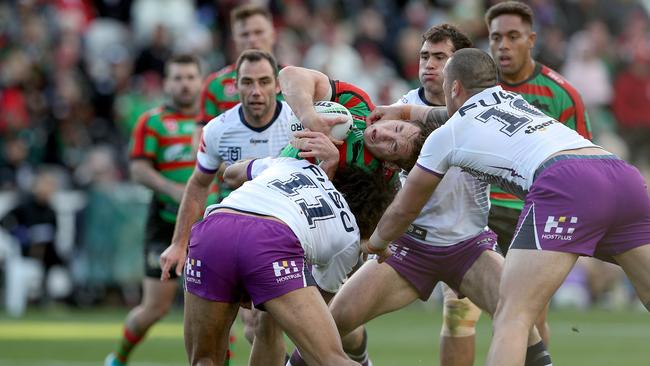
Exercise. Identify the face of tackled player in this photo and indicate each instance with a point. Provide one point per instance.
(183, 84)
(391, 140)
(255, 32)
(258, 88)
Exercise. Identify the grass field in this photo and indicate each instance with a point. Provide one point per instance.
(410, 337)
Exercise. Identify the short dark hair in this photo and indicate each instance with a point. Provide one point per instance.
(246, 11)
(510, 8)
(473, 68)
(368, 194)
(255, 56)
(425, 129)
(184, 59)
(443, 32)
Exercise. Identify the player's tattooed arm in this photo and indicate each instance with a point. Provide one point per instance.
(436, 116)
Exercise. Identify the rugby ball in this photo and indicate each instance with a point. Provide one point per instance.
(332, 109)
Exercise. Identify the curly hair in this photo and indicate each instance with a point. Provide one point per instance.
(443, 32)
(435, 119)
(368, 194)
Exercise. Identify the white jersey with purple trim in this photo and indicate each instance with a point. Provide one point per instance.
(457, 210)
(300, 194)
(499, 138)
(414, 96)
(228, 137)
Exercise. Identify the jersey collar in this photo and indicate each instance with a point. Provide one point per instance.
(424, 99)
(276, 114)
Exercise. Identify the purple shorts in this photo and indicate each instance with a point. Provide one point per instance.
(424, 265)
(233, 257)
(595, 206)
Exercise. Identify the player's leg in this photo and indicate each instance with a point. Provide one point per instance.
(529, 279)
(249, 319)
(268, 344)
(457, 336)
(481, 284)
(374, 290)
(207, 329)
(157, 299)
(635, 263)
(304, 316)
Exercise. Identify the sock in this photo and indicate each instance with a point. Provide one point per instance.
(296, 359)
(537, 355)
(360, 354)
(129, 340)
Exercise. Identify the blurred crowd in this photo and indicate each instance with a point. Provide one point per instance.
(76, 74)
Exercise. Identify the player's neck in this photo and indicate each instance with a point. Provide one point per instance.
(190, 110)
(434, 99)
(522, 75)
(262, 121)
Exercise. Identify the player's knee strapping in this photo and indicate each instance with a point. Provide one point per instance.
(459, 318)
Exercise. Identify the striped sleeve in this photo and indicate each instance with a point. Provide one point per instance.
(144, 140)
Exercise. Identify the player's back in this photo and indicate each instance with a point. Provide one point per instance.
(300, 194)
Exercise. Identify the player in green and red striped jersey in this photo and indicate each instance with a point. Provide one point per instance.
(252, 28)
(162, 160)
(511, 42)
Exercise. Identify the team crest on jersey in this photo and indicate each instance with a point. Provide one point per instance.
(229, 88)
(560, 229)
(171, 125)
(234, 153)
(285, 270)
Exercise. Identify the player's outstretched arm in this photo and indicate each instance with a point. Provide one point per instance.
(302, 87)
(143, 172)
(191, 208)
(406, 206)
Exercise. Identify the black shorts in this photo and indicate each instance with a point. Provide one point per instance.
(503, 221)
(158, 236)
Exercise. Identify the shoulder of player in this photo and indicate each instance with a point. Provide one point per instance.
(149, 117)
(562, 83)
(223, 122)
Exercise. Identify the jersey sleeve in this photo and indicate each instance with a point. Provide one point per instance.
(355, 99)
(144, 140)
(331, 276)
(435, 153)
(208, 158)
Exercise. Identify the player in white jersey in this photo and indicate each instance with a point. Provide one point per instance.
(258, 243)
(257, 127)
(567, 183)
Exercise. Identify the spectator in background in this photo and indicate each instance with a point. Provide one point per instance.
(632, 105)
(16, 173)
(152, 57)
(33, 223)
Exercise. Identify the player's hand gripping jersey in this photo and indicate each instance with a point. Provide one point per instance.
(499, 138)
(299, 193)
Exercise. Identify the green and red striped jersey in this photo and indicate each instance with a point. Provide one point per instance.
(352, 151)
(219, 93)
(552, 94)
(164, 137)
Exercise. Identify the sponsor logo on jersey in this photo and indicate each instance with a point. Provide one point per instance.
(192, 270)
(177, 152)
(560, 229)
(286, 270)
(258, 141)
(171, 125)
(539, 127)
(399, 252)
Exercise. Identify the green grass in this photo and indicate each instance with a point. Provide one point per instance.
(408, 337)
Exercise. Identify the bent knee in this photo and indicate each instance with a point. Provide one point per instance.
(459, 318)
